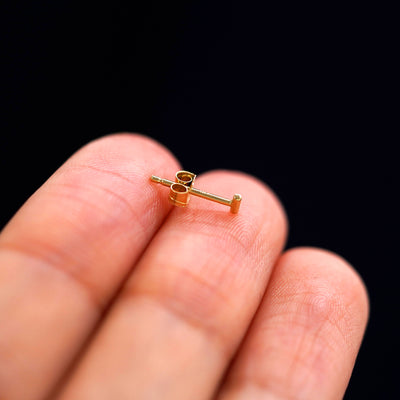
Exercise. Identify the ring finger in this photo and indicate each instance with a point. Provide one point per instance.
(307, 332)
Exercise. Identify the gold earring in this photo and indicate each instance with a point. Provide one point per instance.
(182, 188)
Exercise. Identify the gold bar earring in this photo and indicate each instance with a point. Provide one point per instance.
(183, 187)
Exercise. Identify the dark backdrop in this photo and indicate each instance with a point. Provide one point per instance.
(297, 95)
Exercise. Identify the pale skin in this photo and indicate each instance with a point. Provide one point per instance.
(109, 292)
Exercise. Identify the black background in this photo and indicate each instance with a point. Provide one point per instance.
(298, 95)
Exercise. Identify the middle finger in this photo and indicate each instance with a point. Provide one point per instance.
(188, 304)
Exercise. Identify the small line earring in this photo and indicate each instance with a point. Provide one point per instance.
(182, 188)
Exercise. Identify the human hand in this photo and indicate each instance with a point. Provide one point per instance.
(107, 293)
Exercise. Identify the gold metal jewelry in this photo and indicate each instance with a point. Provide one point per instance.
(180, 190)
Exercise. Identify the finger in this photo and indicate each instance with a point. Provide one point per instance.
(306, 334)
(188, 303)
(66, 252)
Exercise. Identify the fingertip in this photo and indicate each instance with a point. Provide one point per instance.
(332, 260)
(119, 143)
(334, 274)
(258, 198)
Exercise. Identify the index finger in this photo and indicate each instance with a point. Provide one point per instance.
(67, 251)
